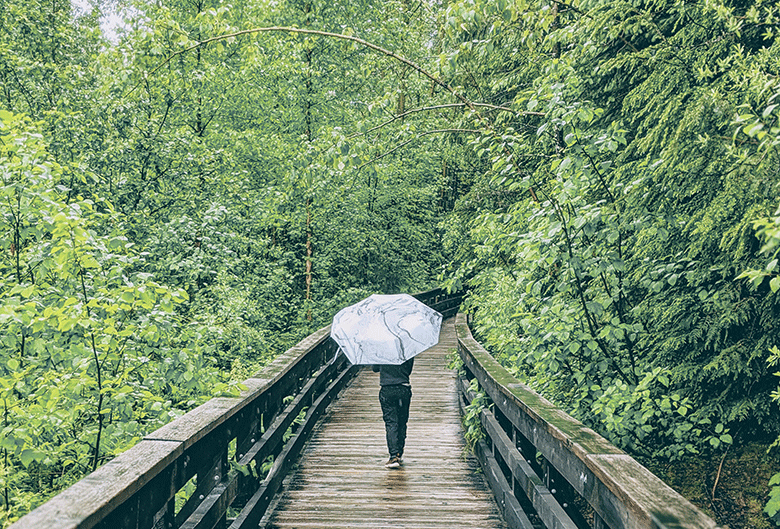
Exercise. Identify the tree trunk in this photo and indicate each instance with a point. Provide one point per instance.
(309, 254)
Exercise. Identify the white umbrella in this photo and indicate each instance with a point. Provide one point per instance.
(385, 329)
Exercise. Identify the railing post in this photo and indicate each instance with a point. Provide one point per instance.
(164, 518)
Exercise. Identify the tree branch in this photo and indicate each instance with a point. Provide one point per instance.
(284, 29)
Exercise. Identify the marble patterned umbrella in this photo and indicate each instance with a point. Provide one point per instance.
(385, 329)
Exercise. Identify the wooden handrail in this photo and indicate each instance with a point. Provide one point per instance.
(220, 444)
(217, 449)
(442, 301)
(535, 454)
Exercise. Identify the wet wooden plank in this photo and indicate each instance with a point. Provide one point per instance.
(341, 480)
(262, 498)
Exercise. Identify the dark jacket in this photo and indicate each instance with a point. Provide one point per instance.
(390, 375)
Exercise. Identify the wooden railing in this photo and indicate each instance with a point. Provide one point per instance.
(221, 464)
(541, 461)
(441, 301)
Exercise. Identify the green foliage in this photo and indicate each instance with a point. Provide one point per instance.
(763, 133)
(455, 362)
(591, 171)
(764, 128)
(612, 210)
(256, 186)
(472, 421)
(93, 354)
(772, 507)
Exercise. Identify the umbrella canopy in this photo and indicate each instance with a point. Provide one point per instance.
(385, 329)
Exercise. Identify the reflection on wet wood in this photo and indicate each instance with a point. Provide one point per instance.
(341, 481)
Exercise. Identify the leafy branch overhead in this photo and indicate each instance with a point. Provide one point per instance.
(472, 106)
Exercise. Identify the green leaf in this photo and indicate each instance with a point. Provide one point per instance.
(29, 455)
(772, 507)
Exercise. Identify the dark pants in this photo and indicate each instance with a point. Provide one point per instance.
(395, 401)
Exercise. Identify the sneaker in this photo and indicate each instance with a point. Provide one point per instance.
(393, 462)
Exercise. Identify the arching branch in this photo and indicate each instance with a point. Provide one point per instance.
(473, 107)
(285, 29)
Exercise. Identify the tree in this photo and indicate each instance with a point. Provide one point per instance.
(615, 213)
(92, 356)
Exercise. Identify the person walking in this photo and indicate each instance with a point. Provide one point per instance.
(395, 395)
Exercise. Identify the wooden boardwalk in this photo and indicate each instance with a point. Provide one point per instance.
(341, 481)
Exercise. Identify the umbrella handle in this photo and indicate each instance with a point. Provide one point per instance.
(336, 355)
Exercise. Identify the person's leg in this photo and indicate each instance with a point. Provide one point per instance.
(405, 399)
(389, 403)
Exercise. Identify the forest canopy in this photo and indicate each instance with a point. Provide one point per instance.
(187, 193)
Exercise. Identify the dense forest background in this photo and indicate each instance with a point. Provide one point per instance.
(187, 193)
